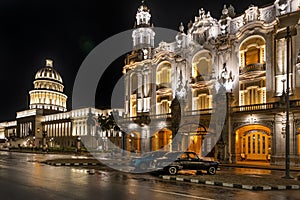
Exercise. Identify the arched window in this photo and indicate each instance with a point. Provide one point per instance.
(252, 61)
(163, 74)
(201, 75)
(252, 51)
(202, 66)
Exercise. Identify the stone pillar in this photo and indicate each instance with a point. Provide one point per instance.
(145, 140)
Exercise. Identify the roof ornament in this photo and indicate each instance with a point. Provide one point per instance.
(181, 27)
(225, 10)
(282, 6)
(201, 13)
(231, 11)
(49, 63)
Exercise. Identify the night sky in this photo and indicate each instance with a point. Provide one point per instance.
(66, 31)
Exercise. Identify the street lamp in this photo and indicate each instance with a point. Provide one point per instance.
(123, 142)
(44, 134)
(288, 21)
(78, 148)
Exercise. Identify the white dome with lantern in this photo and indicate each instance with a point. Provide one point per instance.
(48, 90)
(48, 72)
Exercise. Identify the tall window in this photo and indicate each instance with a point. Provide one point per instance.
(252, 71)
(163, 74)
(133, 95)
(164, 88)
(204, 101)
(201, 75)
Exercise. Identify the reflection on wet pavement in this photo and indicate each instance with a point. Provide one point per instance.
(251, 171)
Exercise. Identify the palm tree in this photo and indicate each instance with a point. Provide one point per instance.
(107, 123)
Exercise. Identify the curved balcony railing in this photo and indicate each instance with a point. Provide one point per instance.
(201, 78)
(253, 67)
(163, 85)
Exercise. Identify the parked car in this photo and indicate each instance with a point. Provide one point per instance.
(145, 161)
(172, 162)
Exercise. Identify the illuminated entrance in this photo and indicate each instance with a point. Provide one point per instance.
(253, 142)
(162, 140)
(194, 139)
(133, 142)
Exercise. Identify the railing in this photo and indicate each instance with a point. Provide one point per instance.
(295, 103)
(246, 108)
(163, 85)
(253, 67)
(199, 112)
(151, 117)
(201, 78)
(254, 107)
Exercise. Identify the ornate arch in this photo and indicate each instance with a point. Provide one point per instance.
(202, 64)
(238, 125)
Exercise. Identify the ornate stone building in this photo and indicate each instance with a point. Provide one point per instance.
(229, 79)
(223, 88)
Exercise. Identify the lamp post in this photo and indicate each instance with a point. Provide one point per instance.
(287, 21)
(78, 147)
(44, 140)
(123, 143)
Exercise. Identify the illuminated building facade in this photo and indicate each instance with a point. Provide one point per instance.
(176, 84)
(242, 55)
(47, 118)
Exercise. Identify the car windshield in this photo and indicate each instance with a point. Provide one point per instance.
(193, 156)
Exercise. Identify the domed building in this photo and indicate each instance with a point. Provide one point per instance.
(48, 90)
(47, 123)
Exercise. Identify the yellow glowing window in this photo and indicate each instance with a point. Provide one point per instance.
(252, 56)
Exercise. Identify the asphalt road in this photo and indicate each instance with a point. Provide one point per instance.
(23, 177)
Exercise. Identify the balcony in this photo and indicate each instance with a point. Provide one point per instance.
(163, 86)
(254, 107)
(201, 78)
(266, 107)
(198, 112)
(294, 104)
(253, 67)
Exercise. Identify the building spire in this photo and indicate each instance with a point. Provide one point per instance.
(143, 34)
(143, 16)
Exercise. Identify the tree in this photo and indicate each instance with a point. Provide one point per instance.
(108, 124)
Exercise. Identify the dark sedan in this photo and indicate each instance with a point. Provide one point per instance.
(172, 162)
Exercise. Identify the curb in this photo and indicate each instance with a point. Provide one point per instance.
(231, 185)
(80, 164)
(71, 164)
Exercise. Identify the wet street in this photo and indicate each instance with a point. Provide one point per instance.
(23, 177)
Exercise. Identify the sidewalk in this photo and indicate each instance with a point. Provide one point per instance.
(248, 182)
(255, 182)
(260, 165)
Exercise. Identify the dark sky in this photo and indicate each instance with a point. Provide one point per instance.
(66, 31)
